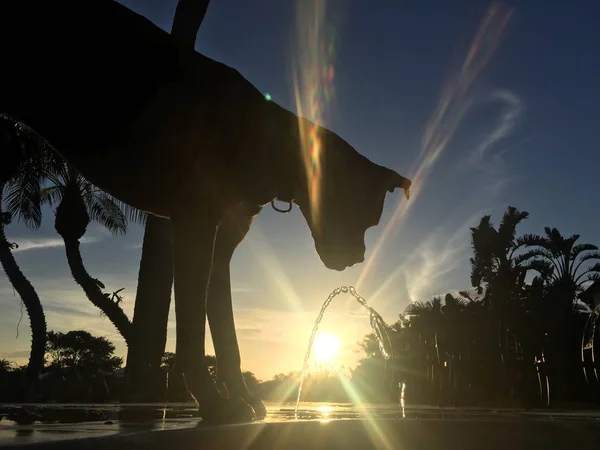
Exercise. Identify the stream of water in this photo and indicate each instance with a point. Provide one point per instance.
(378, 326)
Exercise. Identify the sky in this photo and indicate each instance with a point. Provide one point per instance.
(482, 106)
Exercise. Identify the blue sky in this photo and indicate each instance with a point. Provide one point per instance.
(523, 134)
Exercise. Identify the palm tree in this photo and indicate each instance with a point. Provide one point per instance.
(79, 203)
(23, 161)
(497, 268)
(495, 264)
(24, 201)
(150, 317)
(426, 324)
(561, 263)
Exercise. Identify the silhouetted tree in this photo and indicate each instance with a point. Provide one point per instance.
(495, 265)
(78, 365)
(24, 161)
(5, 366)
(564, 267)
(497, 268)
(78, 351)
(510, 341)
(78, 203)
(426, 324)
(151, 312)
(560, 263)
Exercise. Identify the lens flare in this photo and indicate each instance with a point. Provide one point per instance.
(313, 88)
(443, 122)
(325, 347)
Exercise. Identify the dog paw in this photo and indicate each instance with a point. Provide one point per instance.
(224, 411)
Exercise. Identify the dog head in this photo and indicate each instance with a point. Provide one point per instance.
(343, 197)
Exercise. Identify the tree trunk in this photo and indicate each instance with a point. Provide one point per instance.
(32, 303)
(151, 312)
(93, 292)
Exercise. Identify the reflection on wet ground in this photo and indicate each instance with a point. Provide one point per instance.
(49, 422)
(38, 423)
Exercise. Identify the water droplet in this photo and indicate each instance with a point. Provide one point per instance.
(337, 291)
(344, 289)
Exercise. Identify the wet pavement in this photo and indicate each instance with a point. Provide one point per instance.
(61, 426)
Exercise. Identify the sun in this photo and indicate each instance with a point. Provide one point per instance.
(325, 347)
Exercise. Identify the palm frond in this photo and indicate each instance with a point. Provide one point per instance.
(51, 160)
(453, 302)
(508, 225)
(593, 268)
(569, 243)
(133, 214)
(584, 258)
(531, 240)
(590, 255)
(483, 239)
(543, 267)
(531, 254)
(52, 195)
(417, 308)
(580, 248)
(59, 174)
(22, 198)
(107, 213)
(593, 277)
(102, 207)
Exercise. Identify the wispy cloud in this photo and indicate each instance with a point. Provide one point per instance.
(437, 256)
(456, 99)
(70, 311)
(488, 155)
(442, 252)
(35, 244)
(15, 354)
(39, 244)
(506, 122)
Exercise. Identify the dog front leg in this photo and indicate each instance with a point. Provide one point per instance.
(193, 245)
(231, 232)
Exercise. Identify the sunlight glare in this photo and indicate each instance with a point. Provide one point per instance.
(326, 347)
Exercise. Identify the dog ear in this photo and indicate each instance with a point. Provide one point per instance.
(394, 180)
